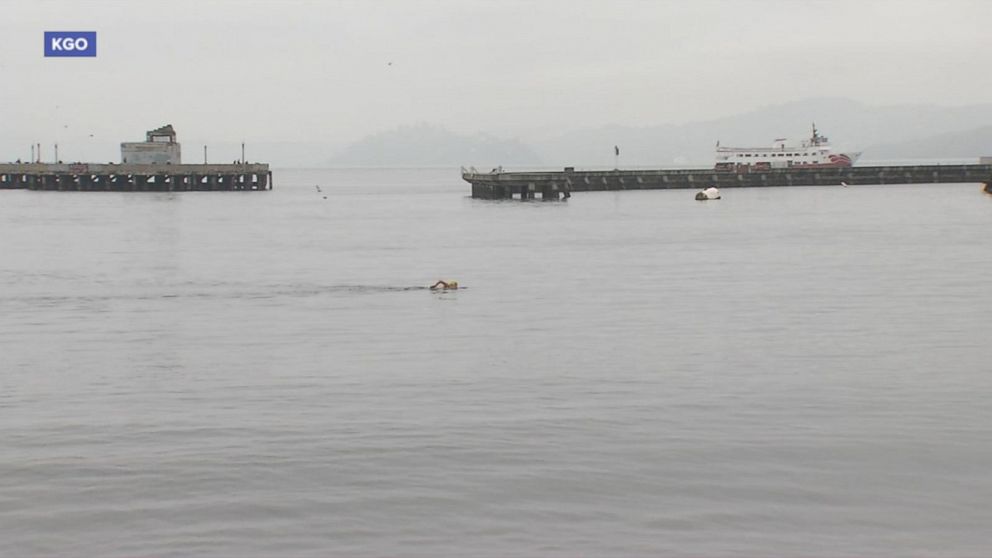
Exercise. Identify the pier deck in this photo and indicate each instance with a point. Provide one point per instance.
(551, 184)
(95, 177)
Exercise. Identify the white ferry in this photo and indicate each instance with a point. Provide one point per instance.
(810, 153)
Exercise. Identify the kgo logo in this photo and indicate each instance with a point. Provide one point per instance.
(70, 43)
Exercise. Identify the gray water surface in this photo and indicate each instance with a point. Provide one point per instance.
(783, 372)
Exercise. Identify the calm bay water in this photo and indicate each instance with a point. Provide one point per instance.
(782, 372)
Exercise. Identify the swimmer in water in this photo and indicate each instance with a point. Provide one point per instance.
(445, 285)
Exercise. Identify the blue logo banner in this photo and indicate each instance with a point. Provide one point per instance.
(70, 43)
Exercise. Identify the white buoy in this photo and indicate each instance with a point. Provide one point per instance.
(710, 193)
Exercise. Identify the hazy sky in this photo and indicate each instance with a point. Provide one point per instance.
(320, 71)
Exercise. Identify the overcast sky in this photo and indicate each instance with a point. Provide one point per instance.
(336, 71)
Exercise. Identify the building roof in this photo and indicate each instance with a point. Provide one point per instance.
(166, 130)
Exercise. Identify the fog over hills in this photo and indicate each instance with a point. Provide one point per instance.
(850, 126)
(424, 145)
(882, 132)
(976, 142)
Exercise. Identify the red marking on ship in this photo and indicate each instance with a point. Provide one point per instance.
(840, 160)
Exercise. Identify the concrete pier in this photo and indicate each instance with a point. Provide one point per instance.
(523, 185)
(89, 177)
(551, 190)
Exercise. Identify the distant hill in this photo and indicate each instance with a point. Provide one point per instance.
(426, 145)
(849, 124)
(882, 132)
(976, 142)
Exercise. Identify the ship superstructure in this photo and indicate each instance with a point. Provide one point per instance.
(810, 153)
